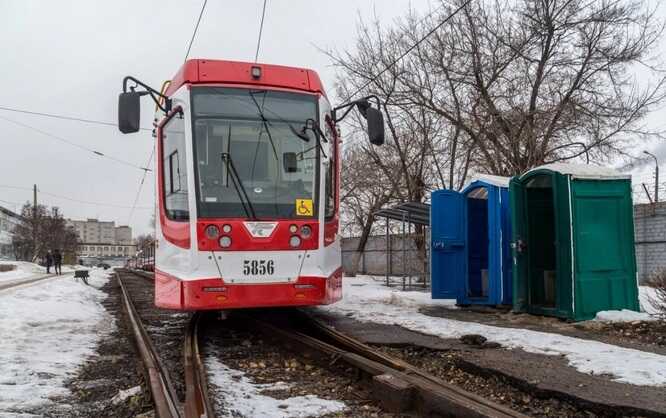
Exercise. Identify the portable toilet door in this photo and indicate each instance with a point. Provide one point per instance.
(573, 241)
(470, 243)
(447, 241)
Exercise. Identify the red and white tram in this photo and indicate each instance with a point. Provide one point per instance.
(248, 167)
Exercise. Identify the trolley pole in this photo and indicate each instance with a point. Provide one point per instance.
(656, 176)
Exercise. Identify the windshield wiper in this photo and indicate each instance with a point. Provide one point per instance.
(310, 124)
(264, 120)
(238, 185)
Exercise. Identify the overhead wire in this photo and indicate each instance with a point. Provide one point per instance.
(196, 28)
(63, 117)
(74, 144)
(410, 49)
(261, 29)
(59, 196)
(138, 193)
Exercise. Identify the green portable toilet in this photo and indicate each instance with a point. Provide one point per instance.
(573, 241)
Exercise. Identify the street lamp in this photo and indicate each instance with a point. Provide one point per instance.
(656, 176)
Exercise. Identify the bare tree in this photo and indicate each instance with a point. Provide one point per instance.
(43, 229)
(539, 81)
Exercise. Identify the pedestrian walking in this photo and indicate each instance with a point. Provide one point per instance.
(57, 261)
(49, 262)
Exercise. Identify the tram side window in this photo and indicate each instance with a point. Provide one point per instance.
(175, 169)
(329, 181)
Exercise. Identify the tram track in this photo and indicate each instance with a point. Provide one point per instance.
(393, 384)
(396, 386)
(165, 395)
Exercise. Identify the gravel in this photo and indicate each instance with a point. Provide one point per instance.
(447, 366)
(265, 361)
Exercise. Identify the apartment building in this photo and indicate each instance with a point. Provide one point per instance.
(103, 238)
(8, 221)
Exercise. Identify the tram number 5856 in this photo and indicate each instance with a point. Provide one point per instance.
(254, 267)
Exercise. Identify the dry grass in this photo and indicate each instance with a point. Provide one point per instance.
(658, 282)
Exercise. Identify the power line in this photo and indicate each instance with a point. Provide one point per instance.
(261, 29)
(410, 49)
(74, 144)
(71, 118)
(138, 193)
(87, 202)
(196, 28)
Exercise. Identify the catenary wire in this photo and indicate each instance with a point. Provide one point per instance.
(261, 29)
(70, 118)
(59, 196)
(74, 144)
(410, 49)
(138, 193)
(196, 28)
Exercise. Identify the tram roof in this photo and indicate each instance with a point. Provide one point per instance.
(205, 71)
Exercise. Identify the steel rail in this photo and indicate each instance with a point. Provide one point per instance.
(396, 383)
(164, 394)
(197, 402)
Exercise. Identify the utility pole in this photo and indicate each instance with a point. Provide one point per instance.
(34, 223)
(656, 176)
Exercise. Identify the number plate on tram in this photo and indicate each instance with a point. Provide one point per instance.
(258, 267)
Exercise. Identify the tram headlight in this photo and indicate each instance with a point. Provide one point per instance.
(294, 241)
(306, 231)
(212, 232)
(293, 228)
(226, 228)
(225, 241)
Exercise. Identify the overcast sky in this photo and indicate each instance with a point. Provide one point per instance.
(69, 57)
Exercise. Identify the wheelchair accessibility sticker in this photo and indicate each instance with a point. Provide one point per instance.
(304, 207)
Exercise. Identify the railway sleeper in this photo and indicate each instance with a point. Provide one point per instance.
(404, 390)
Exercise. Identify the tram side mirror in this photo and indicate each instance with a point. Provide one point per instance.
(129, 112)
(375, 121)
(290, 162)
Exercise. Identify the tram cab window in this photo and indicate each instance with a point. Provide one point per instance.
(175, 169)
(329, 185)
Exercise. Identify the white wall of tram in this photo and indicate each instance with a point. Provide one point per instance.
(192, 264)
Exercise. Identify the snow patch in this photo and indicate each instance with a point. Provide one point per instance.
(46, 331)
(625, 315)
(372, 290)
(647, 296)
(369, 303)
(122, 395)
(23, 270)
(242, 398)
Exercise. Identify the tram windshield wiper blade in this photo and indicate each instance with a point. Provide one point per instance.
(238, 185)
(264, 121)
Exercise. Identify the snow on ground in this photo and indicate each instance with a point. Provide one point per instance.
(23, 270)
(647, 298)
(242, 398)
(46, 331)
(625, 315)
(367, 300)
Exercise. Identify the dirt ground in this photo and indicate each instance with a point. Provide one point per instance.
(539, 376)
(268, 361)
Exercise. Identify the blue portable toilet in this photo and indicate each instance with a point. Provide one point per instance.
(470, 243)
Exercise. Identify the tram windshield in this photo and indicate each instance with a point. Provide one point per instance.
(249, 159)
